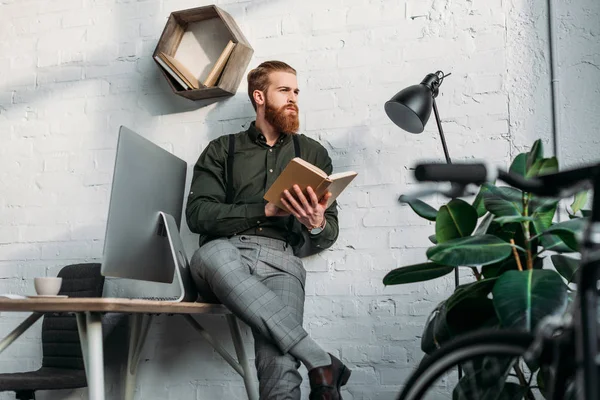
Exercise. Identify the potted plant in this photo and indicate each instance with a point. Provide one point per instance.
(504, 237)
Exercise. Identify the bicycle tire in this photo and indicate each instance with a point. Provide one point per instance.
(485, 342)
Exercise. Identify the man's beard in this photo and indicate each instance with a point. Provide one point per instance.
(281, 121)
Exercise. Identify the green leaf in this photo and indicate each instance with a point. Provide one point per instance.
(535, 154)
(484, 225)
(436, 330)
(543, 167)
(432, 239)
(586, 213)
(554, 243)
(519, 165)
(504, 232)
(549, 241)
(503, 201)
(541, 379)
(523, 298)
(566, 266)
(497, 269)
(579, 201)
(477, 289)
(567, 231)
(478, 203)
(416, 273)
(454, 220)
(471, 250)
(512, 219)
(543, 209)
(422, 209)
(470, 314)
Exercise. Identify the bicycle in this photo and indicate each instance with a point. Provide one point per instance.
(491, 354)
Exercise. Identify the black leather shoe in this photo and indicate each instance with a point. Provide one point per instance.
(325, 382)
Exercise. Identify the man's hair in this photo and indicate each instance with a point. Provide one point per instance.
(258, 78)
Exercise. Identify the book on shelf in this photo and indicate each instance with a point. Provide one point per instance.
(217, 69)
(302, 173)
(178, 80)
(178, 71)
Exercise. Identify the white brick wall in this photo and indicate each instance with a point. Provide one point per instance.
(72, 71)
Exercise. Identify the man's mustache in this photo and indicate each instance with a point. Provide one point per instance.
(292, 106)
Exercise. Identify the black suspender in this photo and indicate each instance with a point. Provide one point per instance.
(291, 219)
(230, 157)
(296, 145)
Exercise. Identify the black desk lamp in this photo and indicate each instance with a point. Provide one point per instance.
(411, 107)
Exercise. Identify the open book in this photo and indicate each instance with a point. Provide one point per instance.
(304, 174)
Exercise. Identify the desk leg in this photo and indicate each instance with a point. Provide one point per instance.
(236, 336)
(91, 339)
(138, 330)
(83, 341)
(19, 330)
(216, 345)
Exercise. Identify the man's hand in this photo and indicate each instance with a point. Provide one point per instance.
(271, 210)
(310, 212)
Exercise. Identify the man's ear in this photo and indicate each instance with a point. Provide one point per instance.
(259, 97)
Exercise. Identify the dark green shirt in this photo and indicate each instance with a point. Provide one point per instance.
(256, 165)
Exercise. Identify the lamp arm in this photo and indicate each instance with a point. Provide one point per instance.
(439, 125)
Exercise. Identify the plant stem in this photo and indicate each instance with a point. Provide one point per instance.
(476, 273)
(523, 382)
(516, 254)
(526, 233)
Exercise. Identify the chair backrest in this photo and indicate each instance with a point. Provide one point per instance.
(60, 339)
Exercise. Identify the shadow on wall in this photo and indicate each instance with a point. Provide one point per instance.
(103, 73)
(99, 60)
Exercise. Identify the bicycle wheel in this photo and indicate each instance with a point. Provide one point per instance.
(492, 364)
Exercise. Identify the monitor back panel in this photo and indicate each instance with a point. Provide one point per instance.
(147, 179)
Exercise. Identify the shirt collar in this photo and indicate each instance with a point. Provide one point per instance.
(257, 137)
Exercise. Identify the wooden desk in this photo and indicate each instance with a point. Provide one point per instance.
(88, 312)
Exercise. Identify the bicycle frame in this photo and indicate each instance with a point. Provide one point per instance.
(586, 330)
(585, 327)
(583, 324)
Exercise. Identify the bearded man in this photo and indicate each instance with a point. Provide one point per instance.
(247, 258)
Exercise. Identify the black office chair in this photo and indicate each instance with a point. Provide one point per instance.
(62, 363)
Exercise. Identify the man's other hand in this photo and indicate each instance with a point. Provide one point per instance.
(309, 211)
(271, 210)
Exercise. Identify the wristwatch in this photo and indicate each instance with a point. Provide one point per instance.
(318, 229)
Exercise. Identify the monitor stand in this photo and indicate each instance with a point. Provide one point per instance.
(182, 276)
(181, 288)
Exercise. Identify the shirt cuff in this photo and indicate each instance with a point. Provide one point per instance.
(255, 213)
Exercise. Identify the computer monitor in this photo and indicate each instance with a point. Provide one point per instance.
(142, 243)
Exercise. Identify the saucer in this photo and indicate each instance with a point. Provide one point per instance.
(48, 296)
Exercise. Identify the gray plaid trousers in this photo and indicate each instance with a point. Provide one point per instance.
(262, 283)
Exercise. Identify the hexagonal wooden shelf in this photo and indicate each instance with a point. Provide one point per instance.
(196, 37)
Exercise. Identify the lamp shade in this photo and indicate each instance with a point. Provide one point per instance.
(410, 108)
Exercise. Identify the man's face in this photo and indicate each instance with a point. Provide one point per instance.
(281, 102)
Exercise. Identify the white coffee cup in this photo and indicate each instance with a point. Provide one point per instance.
(47, 286)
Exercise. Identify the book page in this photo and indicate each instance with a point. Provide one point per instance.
(176, 78)
(295, 173)
(341, 175)
(339, 183)
(178, 67)
(310, 166)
